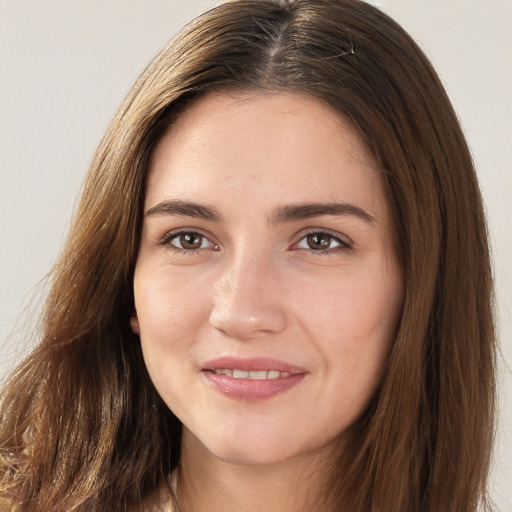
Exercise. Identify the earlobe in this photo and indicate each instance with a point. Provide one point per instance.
(134, 324)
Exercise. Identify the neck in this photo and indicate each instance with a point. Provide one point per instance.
(207, 483)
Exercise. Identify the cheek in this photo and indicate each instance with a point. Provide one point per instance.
(169, 318)
(358, 307)
(170, 313)
(353, 323)
(165, 304)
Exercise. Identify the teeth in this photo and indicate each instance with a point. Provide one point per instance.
(258, 375)
(254, 375)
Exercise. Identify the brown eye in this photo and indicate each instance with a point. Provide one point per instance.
(322, 242)
(319, 241)
(190, 241)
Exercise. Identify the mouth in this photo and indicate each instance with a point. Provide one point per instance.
(253, 379)
(252, 375)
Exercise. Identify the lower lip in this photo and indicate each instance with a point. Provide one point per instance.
(252, 390)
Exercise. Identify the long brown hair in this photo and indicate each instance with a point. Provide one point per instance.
(82, 426)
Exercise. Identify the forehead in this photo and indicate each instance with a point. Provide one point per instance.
(280, 146)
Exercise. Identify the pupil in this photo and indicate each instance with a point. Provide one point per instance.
(319, 241)
(190, 241)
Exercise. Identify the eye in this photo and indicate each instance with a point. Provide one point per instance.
(321, 242)
(187, 241)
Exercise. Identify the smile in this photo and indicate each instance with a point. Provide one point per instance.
(252, 375)
(251, 379)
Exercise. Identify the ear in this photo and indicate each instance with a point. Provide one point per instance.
(134, 324)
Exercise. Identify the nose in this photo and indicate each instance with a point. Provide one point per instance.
(249, 300)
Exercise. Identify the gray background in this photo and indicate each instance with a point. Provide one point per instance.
(66, 65)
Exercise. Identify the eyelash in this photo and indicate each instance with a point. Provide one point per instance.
(344, 245)
(166, 240)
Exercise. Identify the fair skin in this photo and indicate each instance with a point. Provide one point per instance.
(267, 242)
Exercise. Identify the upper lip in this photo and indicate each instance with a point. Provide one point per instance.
(251, 364)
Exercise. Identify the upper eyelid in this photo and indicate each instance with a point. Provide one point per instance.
(169, 235)
(345, 239)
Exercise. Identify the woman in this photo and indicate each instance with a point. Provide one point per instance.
(276, 292)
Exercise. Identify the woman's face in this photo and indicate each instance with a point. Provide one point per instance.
(267, 290)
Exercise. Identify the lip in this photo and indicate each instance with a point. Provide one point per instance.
(248, 389)
(251, 364)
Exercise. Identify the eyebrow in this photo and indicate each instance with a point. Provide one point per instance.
(190, 209)
(284, 214)
(306, 211)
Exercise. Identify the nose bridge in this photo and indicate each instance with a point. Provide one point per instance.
(247, 301)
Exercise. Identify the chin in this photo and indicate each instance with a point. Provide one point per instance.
(261, 449)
